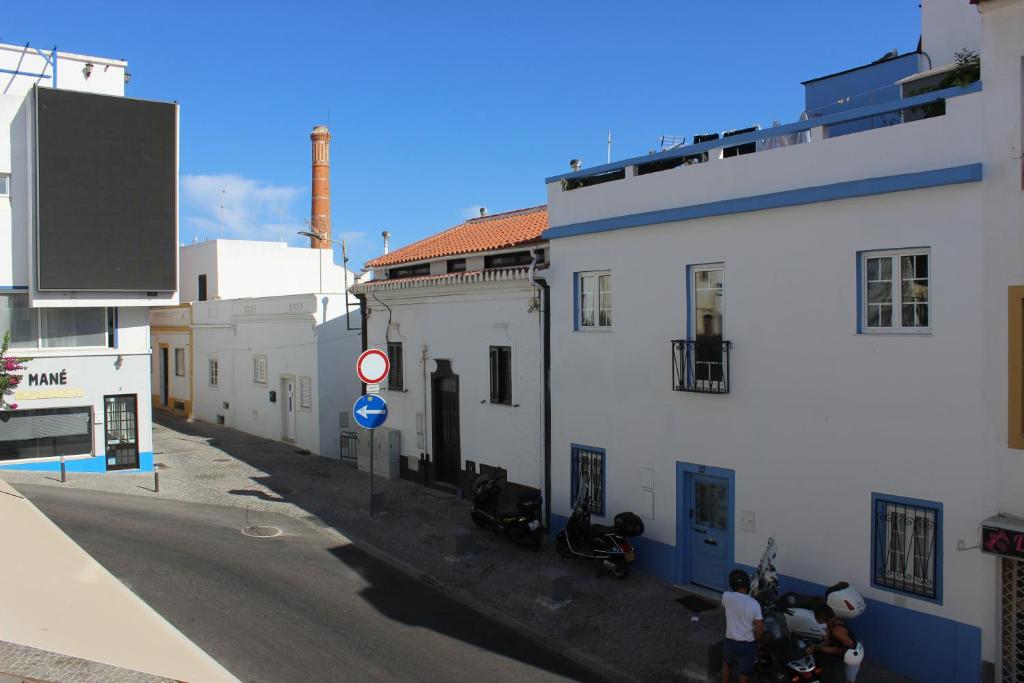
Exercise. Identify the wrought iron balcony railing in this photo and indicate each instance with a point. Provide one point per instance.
(701, 365)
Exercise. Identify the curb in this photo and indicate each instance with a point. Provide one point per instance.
(544, 640)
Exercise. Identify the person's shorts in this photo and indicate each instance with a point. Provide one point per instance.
(740, 654)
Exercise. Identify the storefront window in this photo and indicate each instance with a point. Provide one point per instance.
(46, 328)
(44, 433)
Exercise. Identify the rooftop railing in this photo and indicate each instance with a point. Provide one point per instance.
(892, 113)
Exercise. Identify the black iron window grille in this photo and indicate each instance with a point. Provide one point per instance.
(700, 365)
(906, 541)
(588, 478)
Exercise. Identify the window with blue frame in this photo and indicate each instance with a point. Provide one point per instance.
(588, 478)
(907, 546)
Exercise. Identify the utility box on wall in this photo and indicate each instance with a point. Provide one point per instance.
(387, 449)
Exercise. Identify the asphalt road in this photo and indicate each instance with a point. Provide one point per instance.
(297, 607)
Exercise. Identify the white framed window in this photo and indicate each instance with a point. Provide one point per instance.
(259, 370)
(179, 362)
(306, 393)
(5, 184)
(895, 292)
(594, 300)
(214, 372)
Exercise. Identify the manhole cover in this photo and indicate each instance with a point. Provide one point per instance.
(261, 531)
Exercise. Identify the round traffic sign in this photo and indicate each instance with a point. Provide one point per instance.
(373, 366)
(370, 411)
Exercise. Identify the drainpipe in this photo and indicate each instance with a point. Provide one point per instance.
(426, 422)
(544, 328)
(363, 315)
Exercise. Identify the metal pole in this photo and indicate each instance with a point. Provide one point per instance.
(371, 472)
(156, 481)
(63, 471)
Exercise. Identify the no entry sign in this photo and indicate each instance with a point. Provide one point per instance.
(373, 366)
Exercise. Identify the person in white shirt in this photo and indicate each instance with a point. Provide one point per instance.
(744, 626)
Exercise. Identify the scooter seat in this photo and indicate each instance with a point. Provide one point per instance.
(800, 601)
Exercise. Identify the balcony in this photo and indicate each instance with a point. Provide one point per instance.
(701, 365)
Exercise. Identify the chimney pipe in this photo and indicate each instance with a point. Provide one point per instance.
(483, 211)
(387, 238)
(320, 221)
(575, 164)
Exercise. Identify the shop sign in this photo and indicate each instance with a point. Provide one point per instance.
(999, 541)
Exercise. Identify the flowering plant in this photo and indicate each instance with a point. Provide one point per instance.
(9, 377)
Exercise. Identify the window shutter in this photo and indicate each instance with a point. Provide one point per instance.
(505, 373)
(494, 374)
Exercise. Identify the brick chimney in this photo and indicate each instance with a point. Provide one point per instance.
(320, 222)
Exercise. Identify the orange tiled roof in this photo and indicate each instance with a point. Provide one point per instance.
(500, 231)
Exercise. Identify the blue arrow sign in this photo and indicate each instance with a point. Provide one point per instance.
(370, 411)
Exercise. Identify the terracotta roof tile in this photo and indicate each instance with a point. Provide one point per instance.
(500, 231)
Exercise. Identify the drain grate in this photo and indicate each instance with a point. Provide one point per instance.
(695, 603)
(261, 531)
(222, 459)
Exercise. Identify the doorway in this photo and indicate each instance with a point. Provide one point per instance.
(164, 376)
(121, 431)
(288, 408)
(447, 456)
(705, 525)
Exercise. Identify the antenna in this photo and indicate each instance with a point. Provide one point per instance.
(609, 145)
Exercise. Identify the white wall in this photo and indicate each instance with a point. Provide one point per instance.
(460, 323)
(245, 268)
(948, 26)
(288, 330)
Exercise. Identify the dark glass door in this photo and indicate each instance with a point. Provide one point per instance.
(121, 430)
(447, 456)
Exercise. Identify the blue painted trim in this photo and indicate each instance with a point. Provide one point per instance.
(866, 187)
(576, 301)
(94, 464)
(575, 484)
(684, 470)
(797, 127)
(875, 560)
(860, 291)
(13, 288)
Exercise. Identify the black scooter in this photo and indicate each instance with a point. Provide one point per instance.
(510, 509)
(605, 544)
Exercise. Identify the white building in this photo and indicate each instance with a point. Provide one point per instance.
(459, 314)
(810, 341)
(88, 228)
(264, 341)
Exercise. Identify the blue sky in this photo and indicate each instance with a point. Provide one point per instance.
(439, 108)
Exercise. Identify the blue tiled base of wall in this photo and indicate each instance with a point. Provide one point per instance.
(94, 464)
(903, 640)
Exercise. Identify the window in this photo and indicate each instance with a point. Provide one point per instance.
(5, 184)
(179, 362)
(202, 287)
(1015, 383)
(501, 375)
(895, 291)
(907, 544)
(259, 369)
(45, 433)
(588, 478)
(213, 372)
(707, 323)
(516, 258)
(396, 380)
(457, 265)
(409, 271)
(306, 393)
(33, 328)
(594, 304)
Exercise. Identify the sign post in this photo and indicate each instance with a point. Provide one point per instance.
(370, 410)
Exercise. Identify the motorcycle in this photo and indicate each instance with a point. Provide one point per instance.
(608, 545)
(504, 507)
(790, 624)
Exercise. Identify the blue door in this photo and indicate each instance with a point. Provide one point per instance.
(709, 532)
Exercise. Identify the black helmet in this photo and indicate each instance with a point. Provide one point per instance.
(738, 579)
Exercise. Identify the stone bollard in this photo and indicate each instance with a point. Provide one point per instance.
(458, 544)
(555, 588)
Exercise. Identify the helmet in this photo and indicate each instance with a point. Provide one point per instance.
(738, 579)
(854, 655)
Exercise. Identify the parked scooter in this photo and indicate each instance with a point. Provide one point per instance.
(791, 626)
(511, 510)
(608, 545)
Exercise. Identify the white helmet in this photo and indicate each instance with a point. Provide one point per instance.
(854, 656)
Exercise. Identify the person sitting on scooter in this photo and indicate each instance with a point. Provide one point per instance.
(744, 626)
(838, 639)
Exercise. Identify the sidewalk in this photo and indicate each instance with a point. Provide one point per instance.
(56, 598)
(632, 627)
